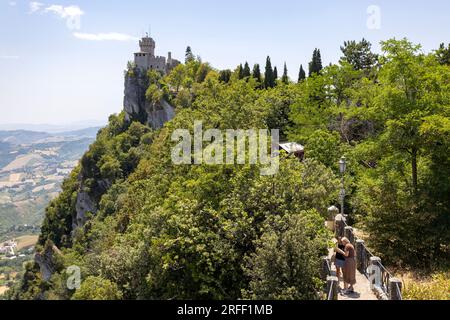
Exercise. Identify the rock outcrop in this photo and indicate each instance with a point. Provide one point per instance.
(137, 107)
(84, 204)
(46, 261)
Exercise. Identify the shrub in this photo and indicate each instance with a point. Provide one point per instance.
(437, 288)
(96, 288)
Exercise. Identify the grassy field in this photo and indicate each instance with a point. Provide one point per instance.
(26, 241)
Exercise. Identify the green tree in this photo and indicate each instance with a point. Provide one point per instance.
(257, 73)
(400, 192)
(269, 77)
(96, 288)
(285, 77)
(246, 71)
(189, 56)
(324, 146)
(225, 76)
(443, 54)
(286, 262)
(176, 77)
(301, 74)
(315, 66)
(359, 54)
(240, 72)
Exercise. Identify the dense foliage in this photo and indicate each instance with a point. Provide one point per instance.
(162, 231)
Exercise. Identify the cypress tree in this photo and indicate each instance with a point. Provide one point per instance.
(225, 76)
(269, 80)
(246, 71)
(301, 74)
(189, 55)
(240, 71)
(319, 61)
(443, 54)
(257, 73)
(285, 77)
(275, 74)
(315, 66)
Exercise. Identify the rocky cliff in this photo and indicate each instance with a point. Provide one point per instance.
(137, 107)
(99, 168)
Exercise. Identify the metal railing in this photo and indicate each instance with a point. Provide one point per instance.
(365, 264)
(330, 292)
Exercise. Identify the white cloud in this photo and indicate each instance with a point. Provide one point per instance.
(72, 14)
(35, 6)
(112, 36)
(65, 12)
(60, 11)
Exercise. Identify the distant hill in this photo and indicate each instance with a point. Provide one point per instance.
(88, 132)
(18, 137)
(32, 168)
(51, 128)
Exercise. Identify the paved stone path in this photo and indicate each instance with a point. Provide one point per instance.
(362, 287)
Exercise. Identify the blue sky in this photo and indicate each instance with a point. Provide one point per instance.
(63, 61)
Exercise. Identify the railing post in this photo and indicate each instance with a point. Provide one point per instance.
(332, 288)
(339, 225)
(395, 289)
(375, 272)
(360, 256)
(325, 268)
(348, 232)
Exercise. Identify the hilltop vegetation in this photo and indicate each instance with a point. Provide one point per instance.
(165, 231)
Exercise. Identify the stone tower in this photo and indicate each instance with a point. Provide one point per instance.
(146, 59)
(147, 45)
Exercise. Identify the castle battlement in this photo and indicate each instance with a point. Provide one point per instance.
(146, 60)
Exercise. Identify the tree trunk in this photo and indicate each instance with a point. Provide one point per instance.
(414, 170)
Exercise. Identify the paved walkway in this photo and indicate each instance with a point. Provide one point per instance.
(362, 287)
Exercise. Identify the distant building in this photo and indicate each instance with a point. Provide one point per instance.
(146, 59)
(8, 248)
(294, 148)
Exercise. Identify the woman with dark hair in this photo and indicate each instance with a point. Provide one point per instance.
(339, 261)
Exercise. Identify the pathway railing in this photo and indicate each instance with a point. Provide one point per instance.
(385, 286)
(331, 288)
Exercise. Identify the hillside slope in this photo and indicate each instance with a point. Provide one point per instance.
(140, 226)
(143, 227)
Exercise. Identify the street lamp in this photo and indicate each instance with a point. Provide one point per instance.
(342, 168)
(343, 165)
(333, 211)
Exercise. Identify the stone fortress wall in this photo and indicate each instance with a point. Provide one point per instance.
(146, 59)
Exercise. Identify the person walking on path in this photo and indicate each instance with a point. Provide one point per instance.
(349, 269)
(339, 260)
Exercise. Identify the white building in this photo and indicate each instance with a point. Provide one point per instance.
(8, 248)
(293, 148)
(146, 59)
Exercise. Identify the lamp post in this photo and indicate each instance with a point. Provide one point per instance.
(332, 213)
(342, 169)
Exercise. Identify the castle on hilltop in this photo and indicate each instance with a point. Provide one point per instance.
(146, 59)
